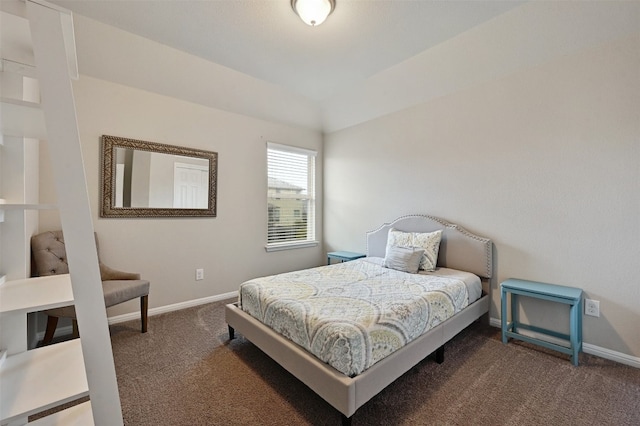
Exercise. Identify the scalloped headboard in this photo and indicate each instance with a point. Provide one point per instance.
(459, 248)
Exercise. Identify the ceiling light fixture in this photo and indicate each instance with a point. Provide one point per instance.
(313, 12)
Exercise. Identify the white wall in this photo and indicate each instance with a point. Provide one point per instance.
(524, 37)
(111, 54)
(229, 247)
(545, 162)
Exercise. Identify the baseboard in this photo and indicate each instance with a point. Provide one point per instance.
(174, 307)
(605, 353)
(587, 348)
(64, 331)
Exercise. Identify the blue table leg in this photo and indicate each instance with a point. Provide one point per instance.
(515, 313)
(580, 311)
(574, 320)
(503, 315)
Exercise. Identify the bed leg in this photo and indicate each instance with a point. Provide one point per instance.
(346, 421)
(232, 333)
(440, 355)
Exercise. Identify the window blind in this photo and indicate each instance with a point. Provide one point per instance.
(290, 195)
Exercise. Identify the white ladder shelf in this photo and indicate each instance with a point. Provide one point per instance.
(32, 381)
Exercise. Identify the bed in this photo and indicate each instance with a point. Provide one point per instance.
(348, 383)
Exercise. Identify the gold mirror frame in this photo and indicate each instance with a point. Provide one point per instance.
(108, 179)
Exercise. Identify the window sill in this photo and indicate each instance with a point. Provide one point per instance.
(289, 246)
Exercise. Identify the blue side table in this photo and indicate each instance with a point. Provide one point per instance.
(556, 293)
(343, 256)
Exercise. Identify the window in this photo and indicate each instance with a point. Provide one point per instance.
(290, 196)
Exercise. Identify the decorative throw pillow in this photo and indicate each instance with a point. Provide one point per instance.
(406, 259)
(429, 241)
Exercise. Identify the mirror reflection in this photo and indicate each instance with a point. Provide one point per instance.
(142, 178)
(157, 180)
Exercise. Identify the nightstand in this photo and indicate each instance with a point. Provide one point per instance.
(343, 256)
(556, 293)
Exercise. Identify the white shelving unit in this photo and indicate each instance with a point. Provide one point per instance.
(23, 379)
(32, 381)
(22, 118)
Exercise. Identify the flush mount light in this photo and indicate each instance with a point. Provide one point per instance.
(313, 12)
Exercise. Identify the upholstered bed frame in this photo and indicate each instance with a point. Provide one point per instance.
(459, 249)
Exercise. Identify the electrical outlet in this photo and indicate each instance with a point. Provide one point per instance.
(592, 307)
(199, 274)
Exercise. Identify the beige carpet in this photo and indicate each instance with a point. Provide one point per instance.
(184, 371)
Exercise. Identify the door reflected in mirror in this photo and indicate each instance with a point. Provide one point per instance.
(142, 178)
(157, 180)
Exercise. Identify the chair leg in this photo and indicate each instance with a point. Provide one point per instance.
(74, 326)
(144, 307)
(52, 323)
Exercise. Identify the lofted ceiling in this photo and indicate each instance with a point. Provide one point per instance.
(370, 58)
(266, 40)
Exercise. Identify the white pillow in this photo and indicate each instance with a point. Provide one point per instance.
(406, 259)
(429, 241)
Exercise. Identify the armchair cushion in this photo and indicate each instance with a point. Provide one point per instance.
(118, 291)
(115, 292)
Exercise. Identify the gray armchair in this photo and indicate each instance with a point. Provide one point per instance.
(50, 258)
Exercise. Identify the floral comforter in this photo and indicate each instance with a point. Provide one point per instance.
(352, 314)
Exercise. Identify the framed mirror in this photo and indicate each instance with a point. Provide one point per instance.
(148, 179)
